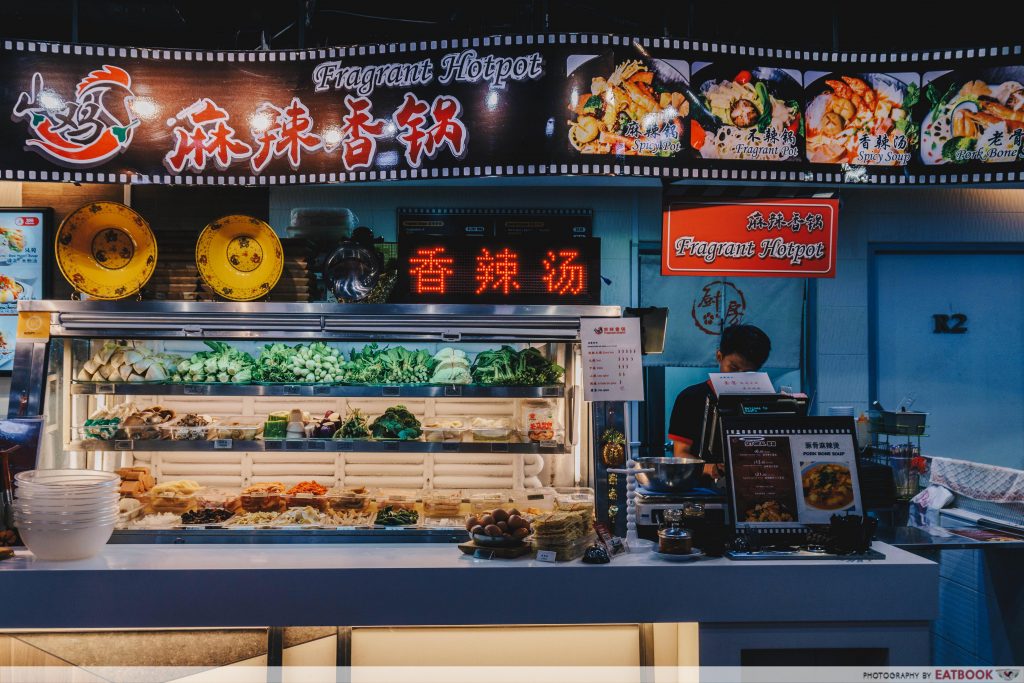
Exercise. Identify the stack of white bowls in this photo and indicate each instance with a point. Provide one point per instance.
(65, 514)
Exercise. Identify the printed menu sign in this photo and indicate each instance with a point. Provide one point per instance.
(762, 475)
(22, 239)
(612, 367)
(792, 477)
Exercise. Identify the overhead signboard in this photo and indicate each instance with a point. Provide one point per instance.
(552, 104)
(778, 238)
(496, 270)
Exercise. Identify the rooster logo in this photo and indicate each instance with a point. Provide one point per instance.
(85, 132)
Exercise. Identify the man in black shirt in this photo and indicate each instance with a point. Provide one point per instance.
(744, 348)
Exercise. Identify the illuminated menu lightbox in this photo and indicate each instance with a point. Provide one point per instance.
(499, 270)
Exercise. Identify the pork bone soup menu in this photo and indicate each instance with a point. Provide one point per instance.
(793, 479)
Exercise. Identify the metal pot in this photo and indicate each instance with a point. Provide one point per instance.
(669, 475)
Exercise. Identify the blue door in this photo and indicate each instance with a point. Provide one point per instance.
(968, 375)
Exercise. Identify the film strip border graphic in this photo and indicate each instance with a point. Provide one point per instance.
(853, 176)
(796, 431)
(560, 39)
(557, 170)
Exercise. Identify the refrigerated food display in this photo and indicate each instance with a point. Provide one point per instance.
(336, 422)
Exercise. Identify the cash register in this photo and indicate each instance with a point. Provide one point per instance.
(706, 506)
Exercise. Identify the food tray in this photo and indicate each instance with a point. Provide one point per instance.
(443, 434)
(482, 502)
(238, 428)
(442, 505)
(398, 501)
(574, 498)
(348, 500)
(566, 552)
(299, 500)
(264, 502)
(346, 518)
(178, 432)
(174, 503)
(100, 430)
(495, 435)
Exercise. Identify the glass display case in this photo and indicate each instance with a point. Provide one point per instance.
(242, 422)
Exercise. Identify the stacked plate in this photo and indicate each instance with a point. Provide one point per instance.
(178, 276)
(65, 514)
(298, 282)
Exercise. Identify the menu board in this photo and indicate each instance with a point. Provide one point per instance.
(23, 248)
(790, 472)
(612, 364)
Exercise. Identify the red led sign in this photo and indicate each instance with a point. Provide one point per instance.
(437, 269)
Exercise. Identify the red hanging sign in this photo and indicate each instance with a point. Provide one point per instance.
(777, 238)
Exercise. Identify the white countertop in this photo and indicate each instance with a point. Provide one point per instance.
(435, 584)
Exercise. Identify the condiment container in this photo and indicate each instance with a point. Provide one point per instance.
(673, 539)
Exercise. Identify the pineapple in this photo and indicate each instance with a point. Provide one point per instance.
(613, 448)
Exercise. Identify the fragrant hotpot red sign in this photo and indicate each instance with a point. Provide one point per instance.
(777, 238)
(552, 104)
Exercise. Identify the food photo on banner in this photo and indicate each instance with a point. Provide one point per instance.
(750, 113)
(508, 105)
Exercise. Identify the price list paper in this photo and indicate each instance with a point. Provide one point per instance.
(612, 366)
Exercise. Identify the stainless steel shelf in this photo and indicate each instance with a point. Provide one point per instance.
(449, 391)
(315, 445)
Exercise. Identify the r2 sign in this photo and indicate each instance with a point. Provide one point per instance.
(950, 324)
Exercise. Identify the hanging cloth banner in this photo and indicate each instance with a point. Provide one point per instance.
(701, 307)
(554, 104)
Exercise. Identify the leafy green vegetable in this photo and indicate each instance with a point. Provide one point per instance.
(593, 106)
(316, 362)
(395, 365)
(931, 93)
(765, 119)
(910, 129)
(390, 516)
(354, 426)
(221, 363)
(396, 423)
(912, 96)
(507, 366)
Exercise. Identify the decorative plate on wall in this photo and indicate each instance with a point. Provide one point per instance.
(106, 250)
(239, 257)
